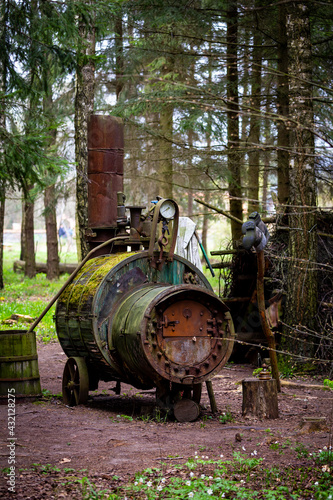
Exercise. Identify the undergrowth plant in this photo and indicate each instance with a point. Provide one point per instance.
(287, 367)
(243, 477)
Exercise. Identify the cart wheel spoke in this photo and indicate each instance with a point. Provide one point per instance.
(75, 382)
(71, 368)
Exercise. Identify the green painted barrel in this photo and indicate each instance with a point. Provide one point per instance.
(136, 324)
(19, 363)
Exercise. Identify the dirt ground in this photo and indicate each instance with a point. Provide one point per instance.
(113, 436)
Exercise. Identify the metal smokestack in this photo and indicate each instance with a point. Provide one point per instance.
(105, 176)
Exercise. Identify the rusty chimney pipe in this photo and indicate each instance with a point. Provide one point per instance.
(105, 176)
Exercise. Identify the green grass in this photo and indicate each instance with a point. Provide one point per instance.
(216, 282)
(26, 296)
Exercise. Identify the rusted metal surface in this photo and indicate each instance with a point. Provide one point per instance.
(183, 317)
(189, 348)
(105, 170)
(195, 351)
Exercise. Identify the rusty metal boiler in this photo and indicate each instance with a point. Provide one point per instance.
(135, 312)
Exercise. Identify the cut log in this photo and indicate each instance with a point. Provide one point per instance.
(260, 398)
(222, 265)
(186, 410)
(41, 267)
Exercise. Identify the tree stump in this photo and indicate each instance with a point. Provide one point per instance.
(260, 398)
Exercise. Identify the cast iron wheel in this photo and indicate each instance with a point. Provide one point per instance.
(75, 382)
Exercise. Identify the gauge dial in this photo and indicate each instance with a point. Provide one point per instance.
(168, 209)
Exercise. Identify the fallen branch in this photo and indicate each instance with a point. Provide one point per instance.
(41, 267)
(286, 383)
(218, 210)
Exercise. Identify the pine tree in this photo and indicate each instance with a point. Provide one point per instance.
(27, 50)
(302, 277)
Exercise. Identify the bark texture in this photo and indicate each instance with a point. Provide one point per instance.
(254, 137)
(282, 95)
(22, 240)
(119, 55)
(49, 194)
(302, 277)
(235, 191)
(2, 221)
(51, 234)
(3, 85)
(29, 250)
(166, 165)
(260, 398)
(84, 106)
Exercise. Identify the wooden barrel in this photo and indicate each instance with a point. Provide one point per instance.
(19, 363)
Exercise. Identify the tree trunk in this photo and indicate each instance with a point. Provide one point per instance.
(2, 223)
(49, 193)
(119, 55)
(51, 234)
(254, 136)
(267, 157)
(282, 94)
(204, 234)
(235, 190)
(208, 134)
(166, 166)
(30, 260)
(22, 250)
(84, 106)
(190, 174)
(245, 119)
(3, 86)
(301, 305)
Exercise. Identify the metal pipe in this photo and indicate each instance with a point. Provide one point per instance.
(204, 253)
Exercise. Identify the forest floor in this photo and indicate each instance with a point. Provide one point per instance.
(113, 437)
